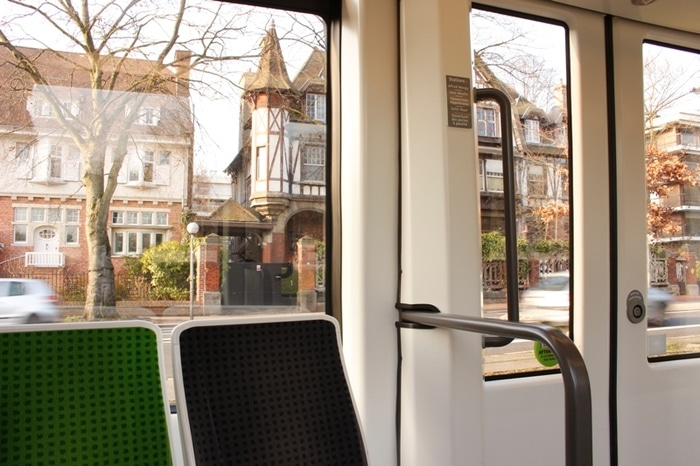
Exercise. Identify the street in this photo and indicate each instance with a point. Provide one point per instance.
(681, 334)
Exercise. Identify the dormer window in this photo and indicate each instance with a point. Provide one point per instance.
(316, 107)
(41, 108)
(488, 122)
(532, 131)
(148, 116)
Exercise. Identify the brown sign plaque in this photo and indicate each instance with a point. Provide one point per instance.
(459, 102)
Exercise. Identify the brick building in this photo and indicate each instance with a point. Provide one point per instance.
(42, 198)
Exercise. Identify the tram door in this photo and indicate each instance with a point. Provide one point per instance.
(656, 382)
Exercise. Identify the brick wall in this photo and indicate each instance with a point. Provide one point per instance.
(12, 255)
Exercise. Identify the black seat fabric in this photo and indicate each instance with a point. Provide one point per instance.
(266, 392)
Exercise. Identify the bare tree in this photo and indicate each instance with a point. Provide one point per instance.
(121, 55)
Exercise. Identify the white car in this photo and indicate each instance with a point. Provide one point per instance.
(26, 301)
(552, 294)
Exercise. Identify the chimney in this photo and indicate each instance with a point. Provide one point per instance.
(182, 72)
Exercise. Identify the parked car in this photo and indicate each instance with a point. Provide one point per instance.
(25, 301)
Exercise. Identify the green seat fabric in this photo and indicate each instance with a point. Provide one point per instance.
(81, 394)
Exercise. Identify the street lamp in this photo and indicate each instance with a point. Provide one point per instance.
(192, 229)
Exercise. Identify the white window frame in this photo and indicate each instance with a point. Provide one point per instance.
(126, 242)
(56, 162)
(73, 230)
(313, 166)
(316, 107)
(488, 122)
(20, 229)
(532, 131)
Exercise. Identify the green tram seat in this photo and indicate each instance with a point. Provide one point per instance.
(264, 390)
(84, 393)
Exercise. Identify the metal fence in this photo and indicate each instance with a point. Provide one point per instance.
(70, 287)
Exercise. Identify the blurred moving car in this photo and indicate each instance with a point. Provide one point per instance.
(26, 301)
(657, 302)
(551, 293)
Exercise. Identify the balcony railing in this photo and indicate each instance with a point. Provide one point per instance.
(44, 259)
(686, 200)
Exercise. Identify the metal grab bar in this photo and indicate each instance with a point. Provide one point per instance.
(577, 387)
(511, 232)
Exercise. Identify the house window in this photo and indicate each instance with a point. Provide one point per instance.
(536, 181)
(20, 234)
(316, 107)
(688, 138)
(142, 168)
(313, 166)
(71, 165)
(54, 215)
(131, 217)
(72, 215)
(70, 109)
(41, 108)
(55, 161)
(126, 242)
(494, 181)
(148, 166)
(20, 214)
(488, 124)
(47, 234)
(260, 162)
(532, 131)
(491, 173)
(71, 234)
(23, 155)
(148, 116)
(161, 218)
(164, 158)
(38, 214)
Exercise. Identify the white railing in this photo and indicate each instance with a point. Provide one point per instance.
(44, 259)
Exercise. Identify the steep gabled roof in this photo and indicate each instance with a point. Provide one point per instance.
(312, 76)
(523, 107)
(272, 72)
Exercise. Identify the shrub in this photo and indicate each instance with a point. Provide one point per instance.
(169, 268)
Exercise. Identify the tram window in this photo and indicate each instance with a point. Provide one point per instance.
(525, 59)
(210, 86)
(672, 146)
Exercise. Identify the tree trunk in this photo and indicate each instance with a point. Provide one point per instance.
(100, 300)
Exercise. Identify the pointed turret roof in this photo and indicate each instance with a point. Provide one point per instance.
(272, 73)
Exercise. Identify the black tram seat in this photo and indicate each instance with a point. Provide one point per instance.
(264, 390)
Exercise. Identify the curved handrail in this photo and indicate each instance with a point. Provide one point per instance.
(511, 232)
(577, 387)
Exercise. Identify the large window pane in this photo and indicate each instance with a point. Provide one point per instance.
(215, 115)
(525, 60)
(672, 153)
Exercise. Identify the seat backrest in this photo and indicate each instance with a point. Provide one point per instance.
(264, 390)
(83, 393)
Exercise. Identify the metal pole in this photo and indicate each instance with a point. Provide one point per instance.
(192, 229)
(191, 277)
